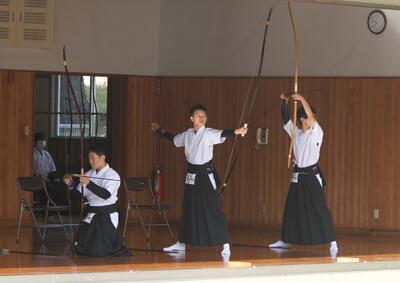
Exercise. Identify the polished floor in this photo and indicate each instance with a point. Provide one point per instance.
(32, 256)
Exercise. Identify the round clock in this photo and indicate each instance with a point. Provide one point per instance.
(376, 22)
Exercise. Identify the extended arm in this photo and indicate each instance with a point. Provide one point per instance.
(161, 132)
(227, 133)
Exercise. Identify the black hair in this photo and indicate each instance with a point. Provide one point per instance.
(99, 149)
(196, 107)
(39, 137)
(301, 113)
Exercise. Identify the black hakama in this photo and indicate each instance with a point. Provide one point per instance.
(100, 237)
(306, 219)
(203, 221)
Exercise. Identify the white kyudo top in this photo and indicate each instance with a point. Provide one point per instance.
(306, 144)
(199, 145)
(42, 163)
(110, 185)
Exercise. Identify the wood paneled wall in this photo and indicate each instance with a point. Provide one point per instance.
(359, 154)
(16, 116)
(134, 104)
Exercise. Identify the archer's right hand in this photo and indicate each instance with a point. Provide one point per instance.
(67, 179)
(154, 126)
(284, 96)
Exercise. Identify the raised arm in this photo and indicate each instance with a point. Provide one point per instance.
(310, 116)
(285, 109)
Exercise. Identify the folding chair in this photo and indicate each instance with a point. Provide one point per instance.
(51, 206)
(25, 186)
(142, 185)
(35, 184)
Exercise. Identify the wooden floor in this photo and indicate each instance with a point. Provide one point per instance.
(249, 249)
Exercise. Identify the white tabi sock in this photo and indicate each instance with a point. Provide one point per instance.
(279, 244)
(333, 247)
(177, 247)
(226, 250)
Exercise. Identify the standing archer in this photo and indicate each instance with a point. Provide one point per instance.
(306, 218)
(203, 221)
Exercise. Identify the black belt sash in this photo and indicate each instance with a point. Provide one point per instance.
(106, 209)
(313, 169)
(206, 168)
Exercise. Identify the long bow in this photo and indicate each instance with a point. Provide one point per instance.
(296, 79)
(248, 106)
(76, 106)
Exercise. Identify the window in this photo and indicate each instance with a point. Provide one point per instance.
(61, 112)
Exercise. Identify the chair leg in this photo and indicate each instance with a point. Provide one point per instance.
(62, 223)
(36, 224)
(141, 221)
(45, 222)
(150, 224)
(21, 210)
(126, 220)
(169, 227)
(42, 248)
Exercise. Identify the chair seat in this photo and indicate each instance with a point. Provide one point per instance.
(35, 208)
(58, 207)
(154, 206)
(141, 187)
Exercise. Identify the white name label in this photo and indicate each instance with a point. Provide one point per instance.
(295, 177)
(190, 178)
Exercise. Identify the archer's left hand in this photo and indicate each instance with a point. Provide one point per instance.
(241, 131)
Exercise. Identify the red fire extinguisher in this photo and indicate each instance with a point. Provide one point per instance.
(158, 183)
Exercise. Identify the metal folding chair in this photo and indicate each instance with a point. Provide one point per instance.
(142, 185)
(51, 206)
(27, 185)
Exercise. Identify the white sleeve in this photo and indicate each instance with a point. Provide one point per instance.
(179, 139)
(289, 127)
(52, 166)
(79, 185)
(213, 136)
(111, 185)
(317, 133)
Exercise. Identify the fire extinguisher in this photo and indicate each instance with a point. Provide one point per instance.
(158, 183)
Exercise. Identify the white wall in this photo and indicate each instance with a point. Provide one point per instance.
(211, 38)
(101, 36)
(223, 37)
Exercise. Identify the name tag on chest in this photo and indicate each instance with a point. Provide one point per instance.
(190, 179)
(295, 177)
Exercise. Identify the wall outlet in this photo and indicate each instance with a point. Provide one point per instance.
(262, 136)
(264, 209)
(376, 213)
